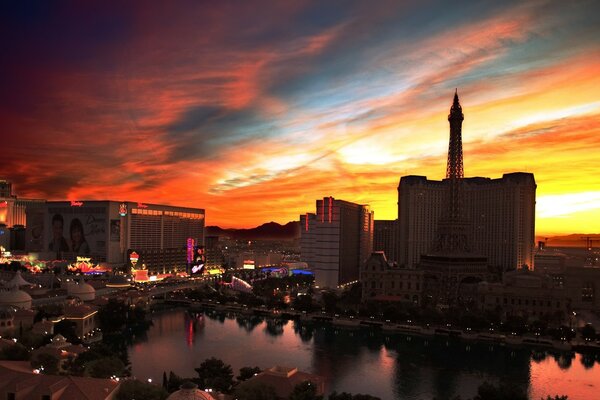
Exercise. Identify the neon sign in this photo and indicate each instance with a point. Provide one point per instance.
(123, 209)
(134, 257)
(4, 204)
(190, 250)
(76, 203)
(142, 205)
(197, 268)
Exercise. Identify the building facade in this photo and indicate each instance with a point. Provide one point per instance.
(13, 219)
(382, 281)
(527, 294)
(385, 238)
(336, 240)
(108, 231)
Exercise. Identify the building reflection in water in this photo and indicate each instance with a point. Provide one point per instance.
(194, 323)
(360, 360)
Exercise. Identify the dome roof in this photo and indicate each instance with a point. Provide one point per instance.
(82, 290)
(189, 391)
(17, 281)
(15, 297)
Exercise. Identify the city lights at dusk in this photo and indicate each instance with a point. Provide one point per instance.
(300, 200)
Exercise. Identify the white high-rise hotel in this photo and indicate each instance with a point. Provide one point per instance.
(500, 212)
(336, 240)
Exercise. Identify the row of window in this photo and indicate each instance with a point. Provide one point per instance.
(409, 285)
(534, 303)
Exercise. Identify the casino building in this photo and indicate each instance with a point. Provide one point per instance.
(497, 215)
(108, 231)
(13, 218)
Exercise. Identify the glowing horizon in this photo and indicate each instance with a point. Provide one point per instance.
(253, 111)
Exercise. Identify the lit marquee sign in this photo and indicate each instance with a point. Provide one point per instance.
(134, 257)
(76, 203)
(197, 268)
(123, 209)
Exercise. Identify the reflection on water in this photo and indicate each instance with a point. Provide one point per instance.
(359, 361)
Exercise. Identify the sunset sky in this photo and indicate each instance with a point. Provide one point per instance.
(253, 110)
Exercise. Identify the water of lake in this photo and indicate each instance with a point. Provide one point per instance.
(366, 360)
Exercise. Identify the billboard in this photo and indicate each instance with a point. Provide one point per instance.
(199, 260)
(34, 231)
(76, 229)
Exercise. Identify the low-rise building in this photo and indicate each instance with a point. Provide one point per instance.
(525, 293)
(383, 281)
(19, 381)
(85, 318)
(284, 379)
(61, 349)
(582, 285)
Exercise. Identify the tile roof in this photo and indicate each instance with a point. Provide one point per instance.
(17, 377)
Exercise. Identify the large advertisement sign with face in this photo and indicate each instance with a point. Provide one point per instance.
(35, 230)
(75, 229)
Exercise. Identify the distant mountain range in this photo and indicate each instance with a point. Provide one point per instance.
(268, 231)
(291, 231)
(572, 240)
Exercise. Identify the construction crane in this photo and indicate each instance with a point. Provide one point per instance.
(589, 241)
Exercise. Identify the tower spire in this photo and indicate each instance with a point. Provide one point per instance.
(454, 168)
(453, 228)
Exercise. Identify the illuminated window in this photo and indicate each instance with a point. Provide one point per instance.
(587, 292)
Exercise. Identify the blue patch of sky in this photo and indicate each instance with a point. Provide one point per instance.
(360, 44)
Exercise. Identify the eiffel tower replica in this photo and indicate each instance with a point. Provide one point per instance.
(452, 265)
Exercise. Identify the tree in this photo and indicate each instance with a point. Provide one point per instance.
(16, 352)
(487, 391)
(255, 391)
(45, 362)
(67, 329)
(303, 303)
(174, 382)
(105, 367)
(81, 365)
(247, 373)
(113, 316)
(348, 396)
(305, 391)
(329, 300)
(340, 396)
(588, 332)
(48, 311)
(215, 374)
(134, 389)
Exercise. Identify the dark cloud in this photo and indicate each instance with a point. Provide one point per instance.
(204, 131)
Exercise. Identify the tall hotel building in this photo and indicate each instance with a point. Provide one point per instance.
(336, 240)
(500, 212)
(13, 217)
(385, 239)
(108, 231)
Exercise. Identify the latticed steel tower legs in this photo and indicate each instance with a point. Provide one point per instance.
(453, 228)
